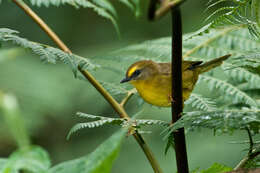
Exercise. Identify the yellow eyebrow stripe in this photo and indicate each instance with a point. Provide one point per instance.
(131, 71)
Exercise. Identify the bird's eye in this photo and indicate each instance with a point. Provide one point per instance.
(136, 73)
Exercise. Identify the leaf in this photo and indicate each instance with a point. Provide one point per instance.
(47, 53)
(98, 161)
(215, 168)
(134, 5)
(102, 7)
(222, 121)
(170, 143)
(9, 108)
(256, 10)
(99, 122)
(236, 95)
(201, 103)
(243, 75)
(32, 158)
(143, 122)
(238, 12)
(2, 164)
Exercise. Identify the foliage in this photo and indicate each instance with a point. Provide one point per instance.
(46, 53)
(36, 160)
(100, 121)
(31, 158)
(215, 168)
(201, 103)
(99, 160)
(213, 44)
(10, 111)
(208, 45)
(233, 92)
(233, 12)
(222, 121)
(104, 8)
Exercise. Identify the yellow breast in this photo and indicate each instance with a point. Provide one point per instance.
(156, 91)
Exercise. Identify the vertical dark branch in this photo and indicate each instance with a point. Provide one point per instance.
(251, 142)
(152, 9)
(177, 103)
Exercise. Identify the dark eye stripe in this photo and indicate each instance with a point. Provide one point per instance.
(136, 73)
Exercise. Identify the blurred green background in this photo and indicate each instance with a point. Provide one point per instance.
(49, 96)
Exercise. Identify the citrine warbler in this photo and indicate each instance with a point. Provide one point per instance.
(153, 80)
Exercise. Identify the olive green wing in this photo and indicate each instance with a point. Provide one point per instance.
(165, 68)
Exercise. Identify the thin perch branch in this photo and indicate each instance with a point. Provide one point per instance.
(252, 153)
(165, 7)
(251, 142)
(245, 160)
(117, 107)
(128, 96)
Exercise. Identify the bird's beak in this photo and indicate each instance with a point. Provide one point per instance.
(125, 80)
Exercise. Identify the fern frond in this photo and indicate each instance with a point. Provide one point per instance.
(134, 5)
(256, 9)
(224, 121)
(238, 12)
(228, 89)
(89, 116)
(104, 8)
(201, 103)
(93, 124)
(100, 121)
(47, 53)
(142, 122)
(242, 75)
(252, 59)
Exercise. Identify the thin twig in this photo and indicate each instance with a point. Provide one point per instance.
(165, 6)
(177, 99)
(247, 158)
(251, 142)
(127, 97)
(119, 109)
(252, 153)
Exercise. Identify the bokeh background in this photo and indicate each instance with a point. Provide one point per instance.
(49, 95)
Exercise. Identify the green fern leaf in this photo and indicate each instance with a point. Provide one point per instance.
(252, 59)
(239, 12)
(134, 5)
(47, 53)
(101, 160)
(32, 159)
(224, 121)
(142, 122)
(102, 7)
(243, 75)
(100, 121)
(256, 10)
(93, 124)
(225, 88)
(201, 103)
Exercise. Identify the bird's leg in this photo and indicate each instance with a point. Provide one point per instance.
(170, 98)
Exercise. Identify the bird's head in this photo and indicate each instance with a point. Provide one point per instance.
(141, 70)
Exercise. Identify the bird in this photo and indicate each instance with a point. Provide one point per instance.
(153, 81)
